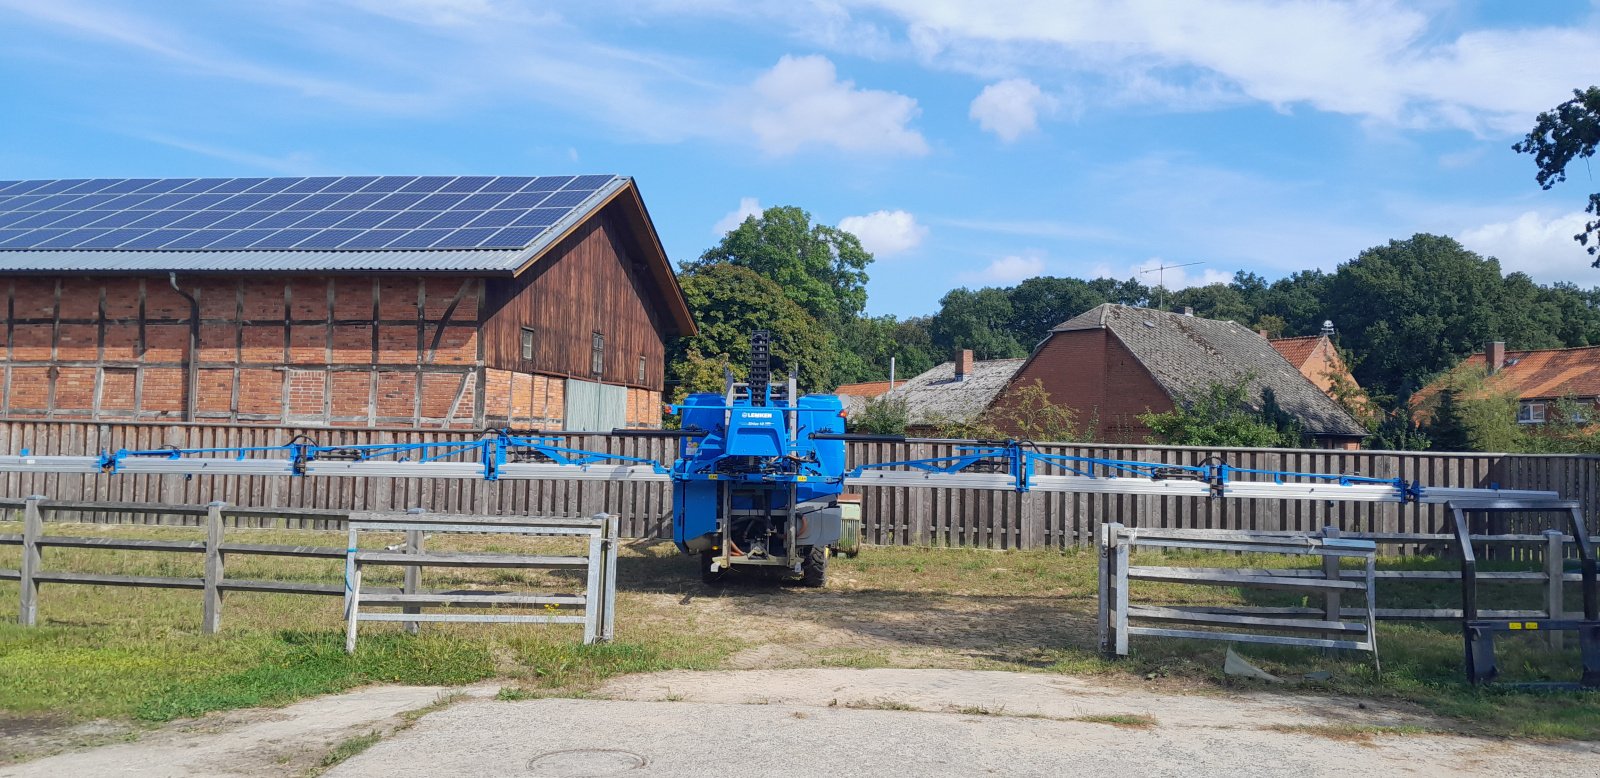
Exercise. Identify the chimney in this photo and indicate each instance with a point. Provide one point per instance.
(1187, 311)
(963, 364)
(1494, 355)
(1263, 333)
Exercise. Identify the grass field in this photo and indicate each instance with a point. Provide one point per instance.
(137, 654)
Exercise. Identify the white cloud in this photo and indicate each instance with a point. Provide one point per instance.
(1173, 278)
(748, 206)
(1539, 246)
(801, 102)
(1007, 270)
(886, 232)
(1381, 60)
(1010, 109)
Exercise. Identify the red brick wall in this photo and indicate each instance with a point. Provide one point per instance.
(306, 350)
(1094, 374)
(389, 351)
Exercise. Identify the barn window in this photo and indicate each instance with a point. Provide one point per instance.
(527, 343)
(597, 354)
(641, 368)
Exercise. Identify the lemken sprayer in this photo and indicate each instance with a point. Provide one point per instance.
(754, 485)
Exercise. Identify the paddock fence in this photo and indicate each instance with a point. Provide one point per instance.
(890, 515)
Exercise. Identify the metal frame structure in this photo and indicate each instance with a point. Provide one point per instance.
(1478, 632)
(598, 599)
(1241, 624)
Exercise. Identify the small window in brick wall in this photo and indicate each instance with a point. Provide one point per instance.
(641, 368)
(527, 343)
(597, 355)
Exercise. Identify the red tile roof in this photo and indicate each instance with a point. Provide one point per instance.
(1545, 373)
(1296, 350)
(865, 389)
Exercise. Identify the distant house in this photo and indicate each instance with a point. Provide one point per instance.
(1115, 362)
(855, 396)
(1537, 378)
(1317, 359)
(955, 392)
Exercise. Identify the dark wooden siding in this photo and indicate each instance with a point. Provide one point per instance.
(594, 281)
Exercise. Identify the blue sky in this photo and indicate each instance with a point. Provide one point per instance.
(968, 142)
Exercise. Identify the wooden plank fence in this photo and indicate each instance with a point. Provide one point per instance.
(891, 516)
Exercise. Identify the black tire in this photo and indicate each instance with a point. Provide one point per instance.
(814, 567)
(706, 574)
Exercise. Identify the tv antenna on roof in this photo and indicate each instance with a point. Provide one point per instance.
(1161, 278)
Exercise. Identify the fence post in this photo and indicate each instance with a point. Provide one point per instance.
(211, 614)
(609, 579)
(32, 528)
(1331, 610)
(413, 582)
(1555, 569)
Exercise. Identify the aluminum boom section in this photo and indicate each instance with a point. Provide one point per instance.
(1181, 488)
(331, 468)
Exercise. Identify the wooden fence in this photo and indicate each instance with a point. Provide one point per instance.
(957, 517)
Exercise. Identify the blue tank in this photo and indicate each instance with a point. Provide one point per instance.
(755, 489)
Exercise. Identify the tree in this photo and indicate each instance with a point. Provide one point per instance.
(881, 416)
(1414, 308)
(822, 269)
(1026, 412)
(1223, 415)
(1468, 415)
(1215, 301)
(1570, 131)
(979, 321)
(730, 302)
(1446, 429)
(1039, 304)
(1399, 431)
(868, 343)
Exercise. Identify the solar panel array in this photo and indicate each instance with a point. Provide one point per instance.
(365, 213)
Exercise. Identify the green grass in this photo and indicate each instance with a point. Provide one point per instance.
(1124, 720)
(347, 749)
(137, 654)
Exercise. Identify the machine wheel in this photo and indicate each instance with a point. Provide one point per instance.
(814, 567)
(706, 575)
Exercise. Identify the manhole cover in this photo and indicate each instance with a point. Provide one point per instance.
(585, 763)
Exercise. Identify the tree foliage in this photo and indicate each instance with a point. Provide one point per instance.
(822, 269)
(881, 416)
(1224, 415)
(1570, 131)
(729, 303)
(1413, 308)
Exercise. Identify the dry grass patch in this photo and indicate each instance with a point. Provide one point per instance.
(1123, 720)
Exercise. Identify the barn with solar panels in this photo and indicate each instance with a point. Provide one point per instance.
(393, 301)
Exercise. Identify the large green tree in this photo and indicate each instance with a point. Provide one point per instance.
(1039, 304)
(729, 303)
(1413, 308)
(823, 269)
(979, 320)
(1570, 131)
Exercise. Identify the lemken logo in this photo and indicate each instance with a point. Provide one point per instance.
(754, 415)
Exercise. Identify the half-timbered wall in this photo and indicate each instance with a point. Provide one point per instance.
(348, 351)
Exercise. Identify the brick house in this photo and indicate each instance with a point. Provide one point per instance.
(1538, 379)
(1115, 362)
(951, 393)
(557, 324)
